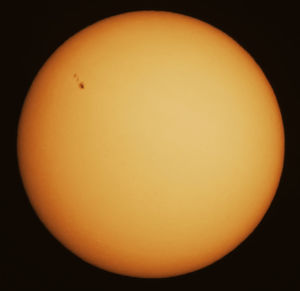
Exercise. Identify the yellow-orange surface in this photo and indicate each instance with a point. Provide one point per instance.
(150, 144)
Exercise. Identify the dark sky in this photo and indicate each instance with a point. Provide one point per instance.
(267, 260)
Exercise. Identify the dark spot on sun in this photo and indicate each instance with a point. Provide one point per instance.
(81, 84)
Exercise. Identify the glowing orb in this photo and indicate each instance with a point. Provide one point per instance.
(150, 144)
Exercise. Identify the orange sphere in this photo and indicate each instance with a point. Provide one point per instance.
(150, 144)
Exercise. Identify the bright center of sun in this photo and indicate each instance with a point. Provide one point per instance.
(150, 144)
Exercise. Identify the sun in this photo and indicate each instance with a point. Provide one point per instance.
(150, 144)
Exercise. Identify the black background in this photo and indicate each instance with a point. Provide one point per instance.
(268, 260)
